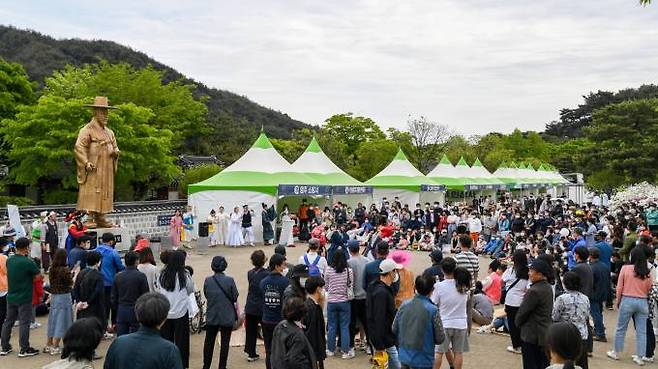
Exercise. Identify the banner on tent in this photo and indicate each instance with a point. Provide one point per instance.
(352, 190)
(304, 190)
(432, 188)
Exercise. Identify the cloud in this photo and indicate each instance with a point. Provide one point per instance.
(478, 66)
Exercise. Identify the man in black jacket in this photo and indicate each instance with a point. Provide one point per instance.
(534, 316)
(380, 307)
(601, 275)
(584, 271)
(128, 286)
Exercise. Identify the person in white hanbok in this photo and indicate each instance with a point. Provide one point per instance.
(212, 226)
(286, 238)
(222, 226)
(235, 229)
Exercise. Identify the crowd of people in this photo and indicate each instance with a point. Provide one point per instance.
(553, 268)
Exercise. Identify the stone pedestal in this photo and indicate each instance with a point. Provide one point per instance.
(121, 236)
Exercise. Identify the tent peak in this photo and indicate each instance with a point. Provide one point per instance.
(462, 161)
(400, 155)
(262, 142)
(445, 160)
(313, 146)
(477, 163)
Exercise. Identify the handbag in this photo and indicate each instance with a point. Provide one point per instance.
(239, 318)
(192, 307)
(503, 292)
(350, 288)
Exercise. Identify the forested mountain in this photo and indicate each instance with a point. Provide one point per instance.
(40, 55)
(573, 120)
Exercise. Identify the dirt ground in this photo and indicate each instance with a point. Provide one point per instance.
(487, 351)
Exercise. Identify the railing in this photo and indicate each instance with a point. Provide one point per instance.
(32, 212)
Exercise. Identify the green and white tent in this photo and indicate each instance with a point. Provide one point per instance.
(316, 164)
(480, 173)
(506, 175)
(399, 179)
(446, 174)
(464, 171)
(253, 179)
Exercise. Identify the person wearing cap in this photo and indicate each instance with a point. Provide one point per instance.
(535, 315)
(128, 286)
(380, 308)
(357, 263)
(221, 293)
(605, 250)
(313, 258)
(281, 250)
(435, 271)
(298, 277)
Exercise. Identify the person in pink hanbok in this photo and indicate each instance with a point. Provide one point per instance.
(175, 229)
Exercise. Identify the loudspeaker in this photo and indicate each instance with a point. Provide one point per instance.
(203, 229)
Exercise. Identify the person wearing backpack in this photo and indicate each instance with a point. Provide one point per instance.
(317, 264)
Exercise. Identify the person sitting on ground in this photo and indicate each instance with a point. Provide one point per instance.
(491, 286)
(80, 342)
(564, 345)
(145, 349)
(482, 310)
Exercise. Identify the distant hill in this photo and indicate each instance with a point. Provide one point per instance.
(41, 55)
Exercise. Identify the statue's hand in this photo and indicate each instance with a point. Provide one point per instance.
(90, 167)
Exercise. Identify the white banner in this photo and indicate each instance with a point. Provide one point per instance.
(15, 220)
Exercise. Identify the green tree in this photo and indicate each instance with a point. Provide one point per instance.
(289, 149)
(173, 105)
(42, 137)
(15, 90)
(626, 142)
(353, 131)
(426, 137)
(373, 157)
(196, 174)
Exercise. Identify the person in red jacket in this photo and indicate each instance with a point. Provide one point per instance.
(37, 297)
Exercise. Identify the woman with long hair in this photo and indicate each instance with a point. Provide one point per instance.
(515, 280)
(633, 289)
(147, 266)
(60, 317)
(175, 228)
(176, 284)
(338, 280)
(563, 346)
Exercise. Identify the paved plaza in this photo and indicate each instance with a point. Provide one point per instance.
(487, 351)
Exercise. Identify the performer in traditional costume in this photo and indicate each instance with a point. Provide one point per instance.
(188, 226)
(247, 226)
(212, 225)
(222, 226)
(37, 225)
(175, 229)
(75, 229)
(268, 216)
(235, 229)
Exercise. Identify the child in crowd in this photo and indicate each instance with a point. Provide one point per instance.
(37, 296)
(564, 345)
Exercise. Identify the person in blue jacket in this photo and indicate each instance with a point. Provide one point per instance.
(111, 264)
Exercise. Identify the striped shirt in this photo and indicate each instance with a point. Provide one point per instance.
(470, 262)
(336, 284)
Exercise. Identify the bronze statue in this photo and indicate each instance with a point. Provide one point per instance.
(96, 156)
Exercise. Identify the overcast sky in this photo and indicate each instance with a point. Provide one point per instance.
(478, 66)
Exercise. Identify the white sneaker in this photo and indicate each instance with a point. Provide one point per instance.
(514, 350)
(613, 355)
(638, 360)
(348, 355)
(35, 325)
(330, 353)
(54, 351)
(485, 329)
(647, 359)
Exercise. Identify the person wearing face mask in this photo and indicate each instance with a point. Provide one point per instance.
(298, 277)
(314, 324)
(380, 307)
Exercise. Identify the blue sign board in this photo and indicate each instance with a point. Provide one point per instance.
(352, 190)
(304, 190)
(432, 188)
